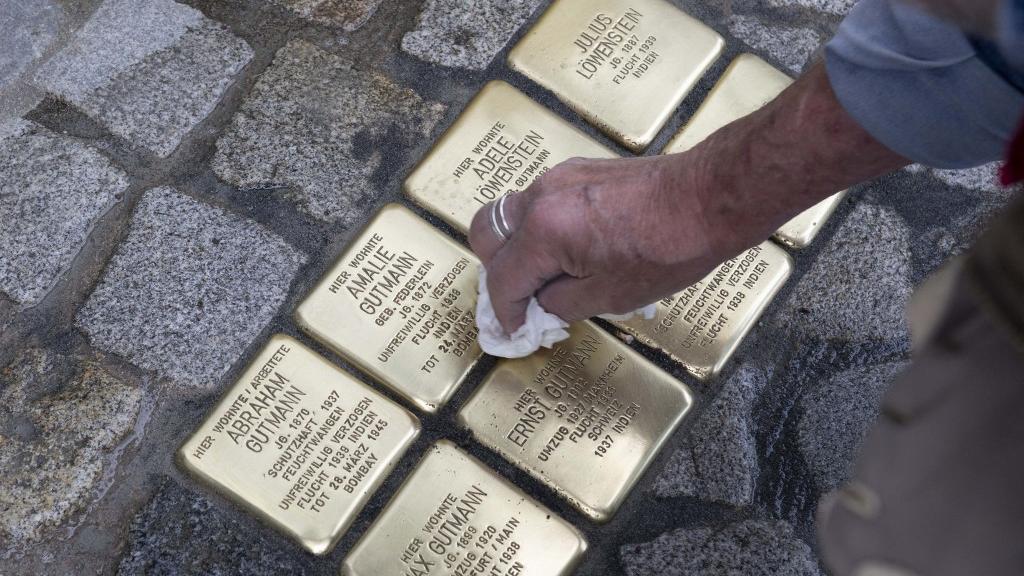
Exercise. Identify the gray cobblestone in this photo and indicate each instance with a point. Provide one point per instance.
(463, 34)
(29, 26)
(982, 178)
(750, 548)
(858, 287)
(838, 7)
(306, 125)
(189, 288)
(837, 416)
(179, 532)
(61, 417)
(790, 47)
(148, 70)
(718, 461)
(52, 190)
(346, 14)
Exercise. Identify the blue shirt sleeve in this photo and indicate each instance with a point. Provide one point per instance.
(916, 84)
(1011, 32)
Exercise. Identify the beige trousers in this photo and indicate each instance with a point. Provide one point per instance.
(939, 485)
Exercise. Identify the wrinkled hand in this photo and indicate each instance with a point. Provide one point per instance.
(599, 236)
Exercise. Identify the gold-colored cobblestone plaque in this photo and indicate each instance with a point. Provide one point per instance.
(746, 85)
(624, 65)
(300, 443)
(702, 326)
(804, 227)
(501, 143)
(586, 416)
(454, 516)
(400, 303)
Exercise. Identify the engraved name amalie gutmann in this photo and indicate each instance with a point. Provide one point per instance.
(391, 286)
(617, 44)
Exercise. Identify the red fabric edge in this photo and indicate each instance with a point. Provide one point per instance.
(1013, 171)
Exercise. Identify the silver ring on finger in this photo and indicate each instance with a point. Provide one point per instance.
(501, 214)
(499, 222)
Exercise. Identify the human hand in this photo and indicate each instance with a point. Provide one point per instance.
(598, 236)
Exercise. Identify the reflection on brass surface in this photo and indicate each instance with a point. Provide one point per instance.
(746, 85)
(703, 325)
(501, 143)
(300, 443)
(586, 416)
(624, 65)
(801, 230)
(400, 303)
(454, 516)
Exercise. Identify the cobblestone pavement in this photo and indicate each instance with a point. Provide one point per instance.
(176, 176)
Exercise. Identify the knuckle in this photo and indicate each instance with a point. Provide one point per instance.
(543, 226)
(560, 171)
(561, 175)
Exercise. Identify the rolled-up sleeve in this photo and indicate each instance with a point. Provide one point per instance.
(916, 84)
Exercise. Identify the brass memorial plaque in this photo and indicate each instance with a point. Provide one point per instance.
(746, 85)
(300, 443)
(624, 65)
(801, 230)
(703, 325)
(586, 416)
(400, 303)
(454, 516)
(501, 143)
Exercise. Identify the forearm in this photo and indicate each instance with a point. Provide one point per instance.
(758, 172)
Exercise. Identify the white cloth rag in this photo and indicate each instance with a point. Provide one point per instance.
(541, 328)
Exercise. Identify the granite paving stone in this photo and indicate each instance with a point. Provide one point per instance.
(346, 14)
(189, 289)
(984, 178)
(8, 311)
(29, 26)
(468, 35)
(935, 247)
(747, 548)
(858, 287)
(148, 70)
(61, 417)
(718, 460)
(310, 123)
(53, 188)
(179, 532)
(837, 416)
(790, 47)
(965, 201)
(838, 7)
